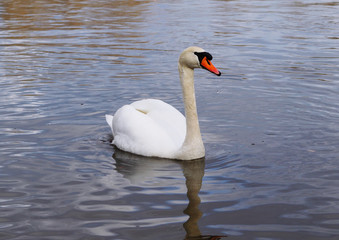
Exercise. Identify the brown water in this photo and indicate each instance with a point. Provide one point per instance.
(270, 123)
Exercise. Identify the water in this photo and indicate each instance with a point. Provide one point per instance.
(270, 123)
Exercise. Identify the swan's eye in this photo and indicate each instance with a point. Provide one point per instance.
(202, 55)
(208, 56)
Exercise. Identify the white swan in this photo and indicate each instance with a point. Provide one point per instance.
(154, 128)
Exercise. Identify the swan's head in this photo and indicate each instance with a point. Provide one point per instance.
(196, 57)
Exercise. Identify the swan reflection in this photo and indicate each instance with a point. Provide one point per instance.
(139, 169)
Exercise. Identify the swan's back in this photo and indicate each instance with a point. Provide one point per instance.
(148, 127)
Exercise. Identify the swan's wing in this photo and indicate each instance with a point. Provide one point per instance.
(147, 128)
(166, 116)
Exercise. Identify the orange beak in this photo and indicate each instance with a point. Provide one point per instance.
(205, 63)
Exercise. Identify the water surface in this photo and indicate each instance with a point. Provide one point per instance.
(270, 123)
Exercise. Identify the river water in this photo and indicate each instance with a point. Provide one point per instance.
(270, 123)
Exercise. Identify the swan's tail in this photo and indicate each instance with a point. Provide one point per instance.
(109, 120)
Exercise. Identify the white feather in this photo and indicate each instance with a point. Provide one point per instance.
(148, 127)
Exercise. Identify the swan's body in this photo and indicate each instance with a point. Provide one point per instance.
(148, 127)
(154, 128)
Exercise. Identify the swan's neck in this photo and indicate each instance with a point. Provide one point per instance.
(193, 146)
